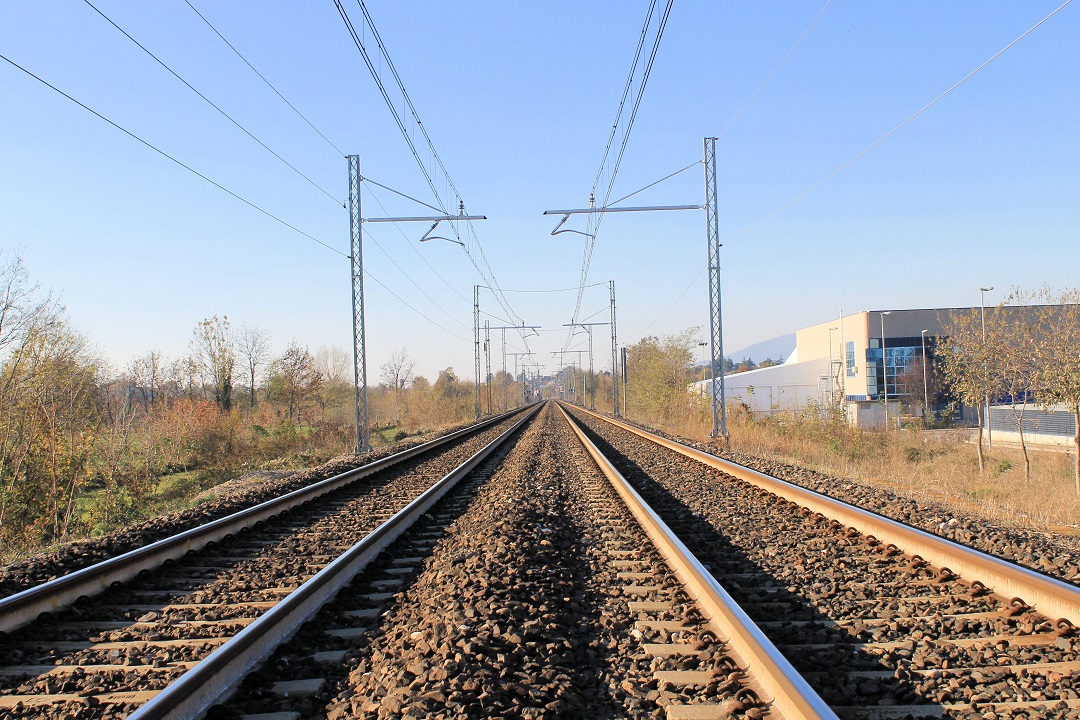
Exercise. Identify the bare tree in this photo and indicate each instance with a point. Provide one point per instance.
(970, 365)
(147, 373)
(215, 349)
(395, 374)
(397, 370)
(1015, 338)
(334, 364)
(253, 344)
(298, 379)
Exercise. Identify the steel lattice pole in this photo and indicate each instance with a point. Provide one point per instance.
(476, 344)
(614, 356)
(591, 375)
(716, 334)
(356, 262)
(487, 363)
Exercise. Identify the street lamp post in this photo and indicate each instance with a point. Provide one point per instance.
(884, 366)
(925, 387)
(986, 371)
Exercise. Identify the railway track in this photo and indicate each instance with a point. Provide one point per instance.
(573, 569)
(131, 625)
(881, 619)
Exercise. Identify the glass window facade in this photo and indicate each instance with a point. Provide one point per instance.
(849, 358)
(891, 363)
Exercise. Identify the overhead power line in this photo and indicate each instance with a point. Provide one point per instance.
(170, 157)
(774, 70)
(211, 104)
(261, 77)
(896, 129)
(406, 303)
(863, 152)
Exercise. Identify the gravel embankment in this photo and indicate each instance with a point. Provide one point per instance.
(837, 603)
(227, 498)
(1053, 554)
(202, 599)
(518, 611)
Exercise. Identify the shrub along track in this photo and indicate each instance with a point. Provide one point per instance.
(108, 654)
(876, 632)
(228, 498)
(530, 592)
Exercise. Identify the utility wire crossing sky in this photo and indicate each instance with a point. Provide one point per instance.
(868, 157)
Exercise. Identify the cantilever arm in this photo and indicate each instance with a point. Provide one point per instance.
(562, 222)
(431, 229)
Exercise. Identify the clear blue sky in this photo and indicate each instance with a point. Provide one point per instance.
(981, 189)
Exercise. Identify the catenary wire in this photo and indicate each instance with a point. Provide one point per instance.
(211, 104)
(170, 157)
(896, 129)
(626, 91)
(261, 77)
(488, 275)
(597, 219)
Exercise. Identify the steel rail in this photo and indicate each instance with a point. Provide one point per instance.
(790, 695)
(1052, 597)
(221, 671)
(26, 606)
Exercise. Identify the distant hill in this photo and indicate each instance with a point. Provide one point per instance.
(775, 348)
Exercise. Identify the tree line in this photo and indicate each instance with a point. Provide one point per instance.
(86, 446)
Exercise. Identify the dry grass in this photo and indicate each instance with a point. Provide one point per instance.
(939, 466)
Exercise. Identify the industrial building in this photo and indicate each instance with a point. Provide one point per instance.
(854, 362)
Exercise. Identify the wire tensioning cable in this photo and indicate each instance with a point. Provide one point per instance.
(170, 157)
(654, 184)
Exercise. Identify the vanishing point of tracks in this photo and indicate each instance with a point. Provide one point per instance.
(515, 571)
